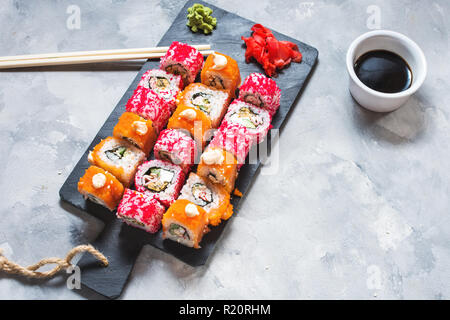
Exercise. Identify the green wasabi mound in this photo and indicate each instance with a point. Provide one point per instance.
(199, 18)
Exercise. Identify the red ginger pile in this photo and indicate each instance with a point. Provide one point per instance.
(268, 51)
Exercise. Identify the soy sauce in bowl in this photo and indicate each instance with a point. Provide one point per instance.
(383, 71)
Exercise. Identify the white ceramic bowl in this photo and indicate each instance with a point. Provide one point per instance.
(390, 41)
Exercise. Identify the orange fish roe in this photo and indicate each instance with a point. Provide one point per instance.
(198, 126)
(136, 130)
(123, 167)
(228, 78)
(108, 190)
(223, 172)
(237, 193)
(180, 227)
(223, 212)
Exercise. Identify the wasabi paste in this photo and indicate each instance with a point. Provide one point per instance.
(199, 18)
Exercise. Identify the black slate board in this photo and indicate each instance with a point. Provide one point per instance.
(121, 243)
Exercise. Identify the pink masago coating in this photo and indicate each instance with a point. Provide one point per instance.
(262, 116)
(145, 211)
(169, 94)
(180, 146)
(171, 192)
(261, 91)
(234, 139)
(147, 104)
(185, 55)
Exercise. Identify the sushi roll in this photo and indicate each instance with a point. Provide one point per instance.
(165, 85)
(192, 121)
(221, 72)
(118, 157)
(184, 60)
(219, 166)
(177, 147)
(147, 104)
(255, 120)
(235, 139)
(185, 223)
(138, 210)
(212, 102)
(100, 187)
(211, 197)
(261, 91)
(160, 180)
(136, 130)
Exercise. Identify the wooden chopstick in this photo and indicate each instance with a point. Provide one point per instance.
(200, 47)
(65, 58)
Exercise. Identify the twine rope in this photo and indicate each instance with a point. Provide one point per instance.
(61, 264)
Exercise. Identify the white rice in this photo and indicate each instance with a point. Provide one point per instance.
(218, 101)
(130, 160)
(186, 192)
(183, 241)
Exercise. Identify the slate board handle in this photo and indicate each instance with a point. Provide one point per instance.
(121, 245)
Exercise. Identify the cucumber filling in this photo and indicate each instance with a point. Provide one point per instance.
(202, 101)
(161, 86)
(158, 83)
(157, 179)
(202, 194)
(247, 117)
(179, 231)
(116, 154)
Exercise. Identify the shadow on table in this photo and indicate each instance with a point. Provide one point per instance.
(403, 125)
(183, 272)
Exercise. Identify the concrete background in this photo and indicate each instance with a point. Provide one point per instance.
(359, 208)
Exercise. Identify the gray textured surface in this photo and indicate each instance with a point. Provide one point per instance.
(358, 209)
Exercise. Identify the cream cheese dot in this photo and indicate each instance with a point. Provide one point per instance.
(191, 210)
(98, 180)
(212, 157)
(220, 61)
(140, 127)
(188, 114)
